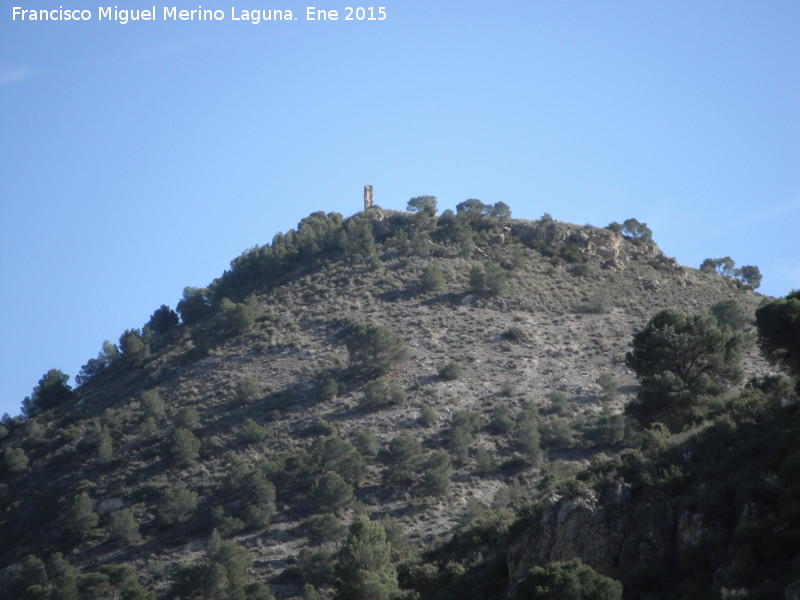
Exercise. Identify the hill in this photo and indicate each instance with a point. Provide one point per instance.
(438, 374)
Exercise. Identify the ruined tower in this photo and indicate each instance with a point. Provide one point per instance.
(367, 197)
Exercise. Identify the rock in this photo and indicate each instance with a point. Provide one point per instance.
(109, 505)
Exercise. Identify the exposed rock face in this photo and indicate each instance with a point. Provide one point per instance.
(601, 245)
(611, 531)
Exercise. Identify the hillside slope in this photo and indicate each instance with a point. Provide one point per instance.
(253, 417)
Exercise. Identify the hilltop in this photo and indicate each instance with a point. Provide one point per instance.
(434, 373)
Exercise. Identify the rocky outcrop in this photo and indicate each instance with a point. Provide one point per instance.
(610, 249)
(610, 530)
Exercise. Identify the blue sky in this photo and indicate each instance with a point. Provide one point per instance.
(138, 159)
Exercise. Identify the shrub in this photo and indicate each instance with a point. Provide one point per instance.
(431, 278)
(609, 429)
(176, 505)
(449, 371)
(332, 493)
(402, 458)
(502, 420)
(152, 405)
(15, 459)
(427, 416)
(514, 334)
(484, 463)
(508, 388)
(436, 475)
(248, 390)
(491, 279)
(326, 528)
(123, 528)
(325, 386)
(183, 447)
(571, 580)
(187, 418)
(378, 394)
(374, 350)
(608, 386)
(558, 433)
(559, 403)
(729, 313)
(366, 442)
(527, 437)
(460, 441)
(80, 518)
(252, 432)
(235, 318)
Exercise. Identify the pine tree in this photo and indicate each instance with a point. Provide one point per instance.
(364, 569)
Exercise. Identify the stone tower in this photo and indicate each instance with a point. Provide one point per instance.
(367, 197)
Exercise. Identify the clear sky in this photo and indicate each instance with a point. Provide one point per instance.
(137, 159)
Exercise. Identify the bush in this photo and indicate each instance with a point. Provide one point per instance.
(176, 505)
(374, 350)
(366, 442)
(402, 458)
(332, 493)
(609, 429)
(15, 459)
(187, 418)
(326, 528)
(431, 278)
(730, 314)
(459, 444)
(527, 437)
(571, 580)
(427, 416)
(514, 334)
(502, 419)
(378, 394)
(252, 432)
(325, 386)
(248, 390)
(183, 447)
(491, 279)
(122, 527)
(558, 433)
(152, 405)
(235, 318)
(608, 386)
(80, 518)
(436, 475)
(449, 371)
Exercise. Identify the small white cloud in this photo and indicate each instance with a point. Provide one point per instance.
(9, 75)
